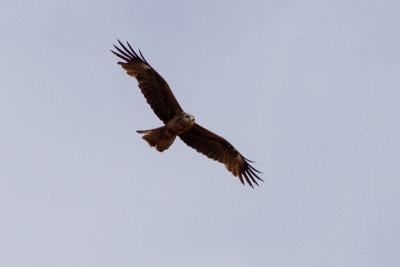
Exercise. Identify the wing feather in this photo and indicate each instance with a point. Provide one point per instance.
(217, 148)
(154, 88)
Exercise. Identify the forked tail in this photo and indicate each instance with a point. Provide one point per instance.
(160, 138)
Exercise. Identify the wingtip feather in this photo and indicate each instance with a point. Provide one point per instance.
(247, 179)
(241, 179)
(128, 53)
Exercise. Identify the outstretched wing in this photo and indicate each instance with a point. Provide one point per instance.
(154, 88)
(217, 148)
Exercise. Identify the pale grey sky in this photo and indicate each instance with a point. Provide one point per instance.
(307, 89)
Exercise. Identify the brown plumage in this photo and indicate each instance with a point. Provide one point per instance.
(179, 123)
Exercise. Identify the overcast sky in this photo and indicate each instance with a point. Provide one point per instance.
(310, 90)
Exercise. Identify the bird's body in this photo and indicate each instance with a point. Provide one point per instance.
(179, 123)
(163, 137)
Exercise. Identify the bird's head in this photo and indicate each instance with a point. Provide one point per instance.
(188, 118)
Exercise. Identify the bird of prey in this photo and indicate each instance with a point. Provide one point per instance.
(177, 122)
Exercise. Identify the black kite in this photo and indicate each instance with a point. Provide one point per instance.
(178, 123)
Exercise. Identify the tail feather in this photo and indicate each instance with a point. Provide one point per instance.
(144, 131)
(160, 138)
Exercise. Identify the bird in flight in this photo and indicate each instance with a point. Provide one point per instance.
(177, 122)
